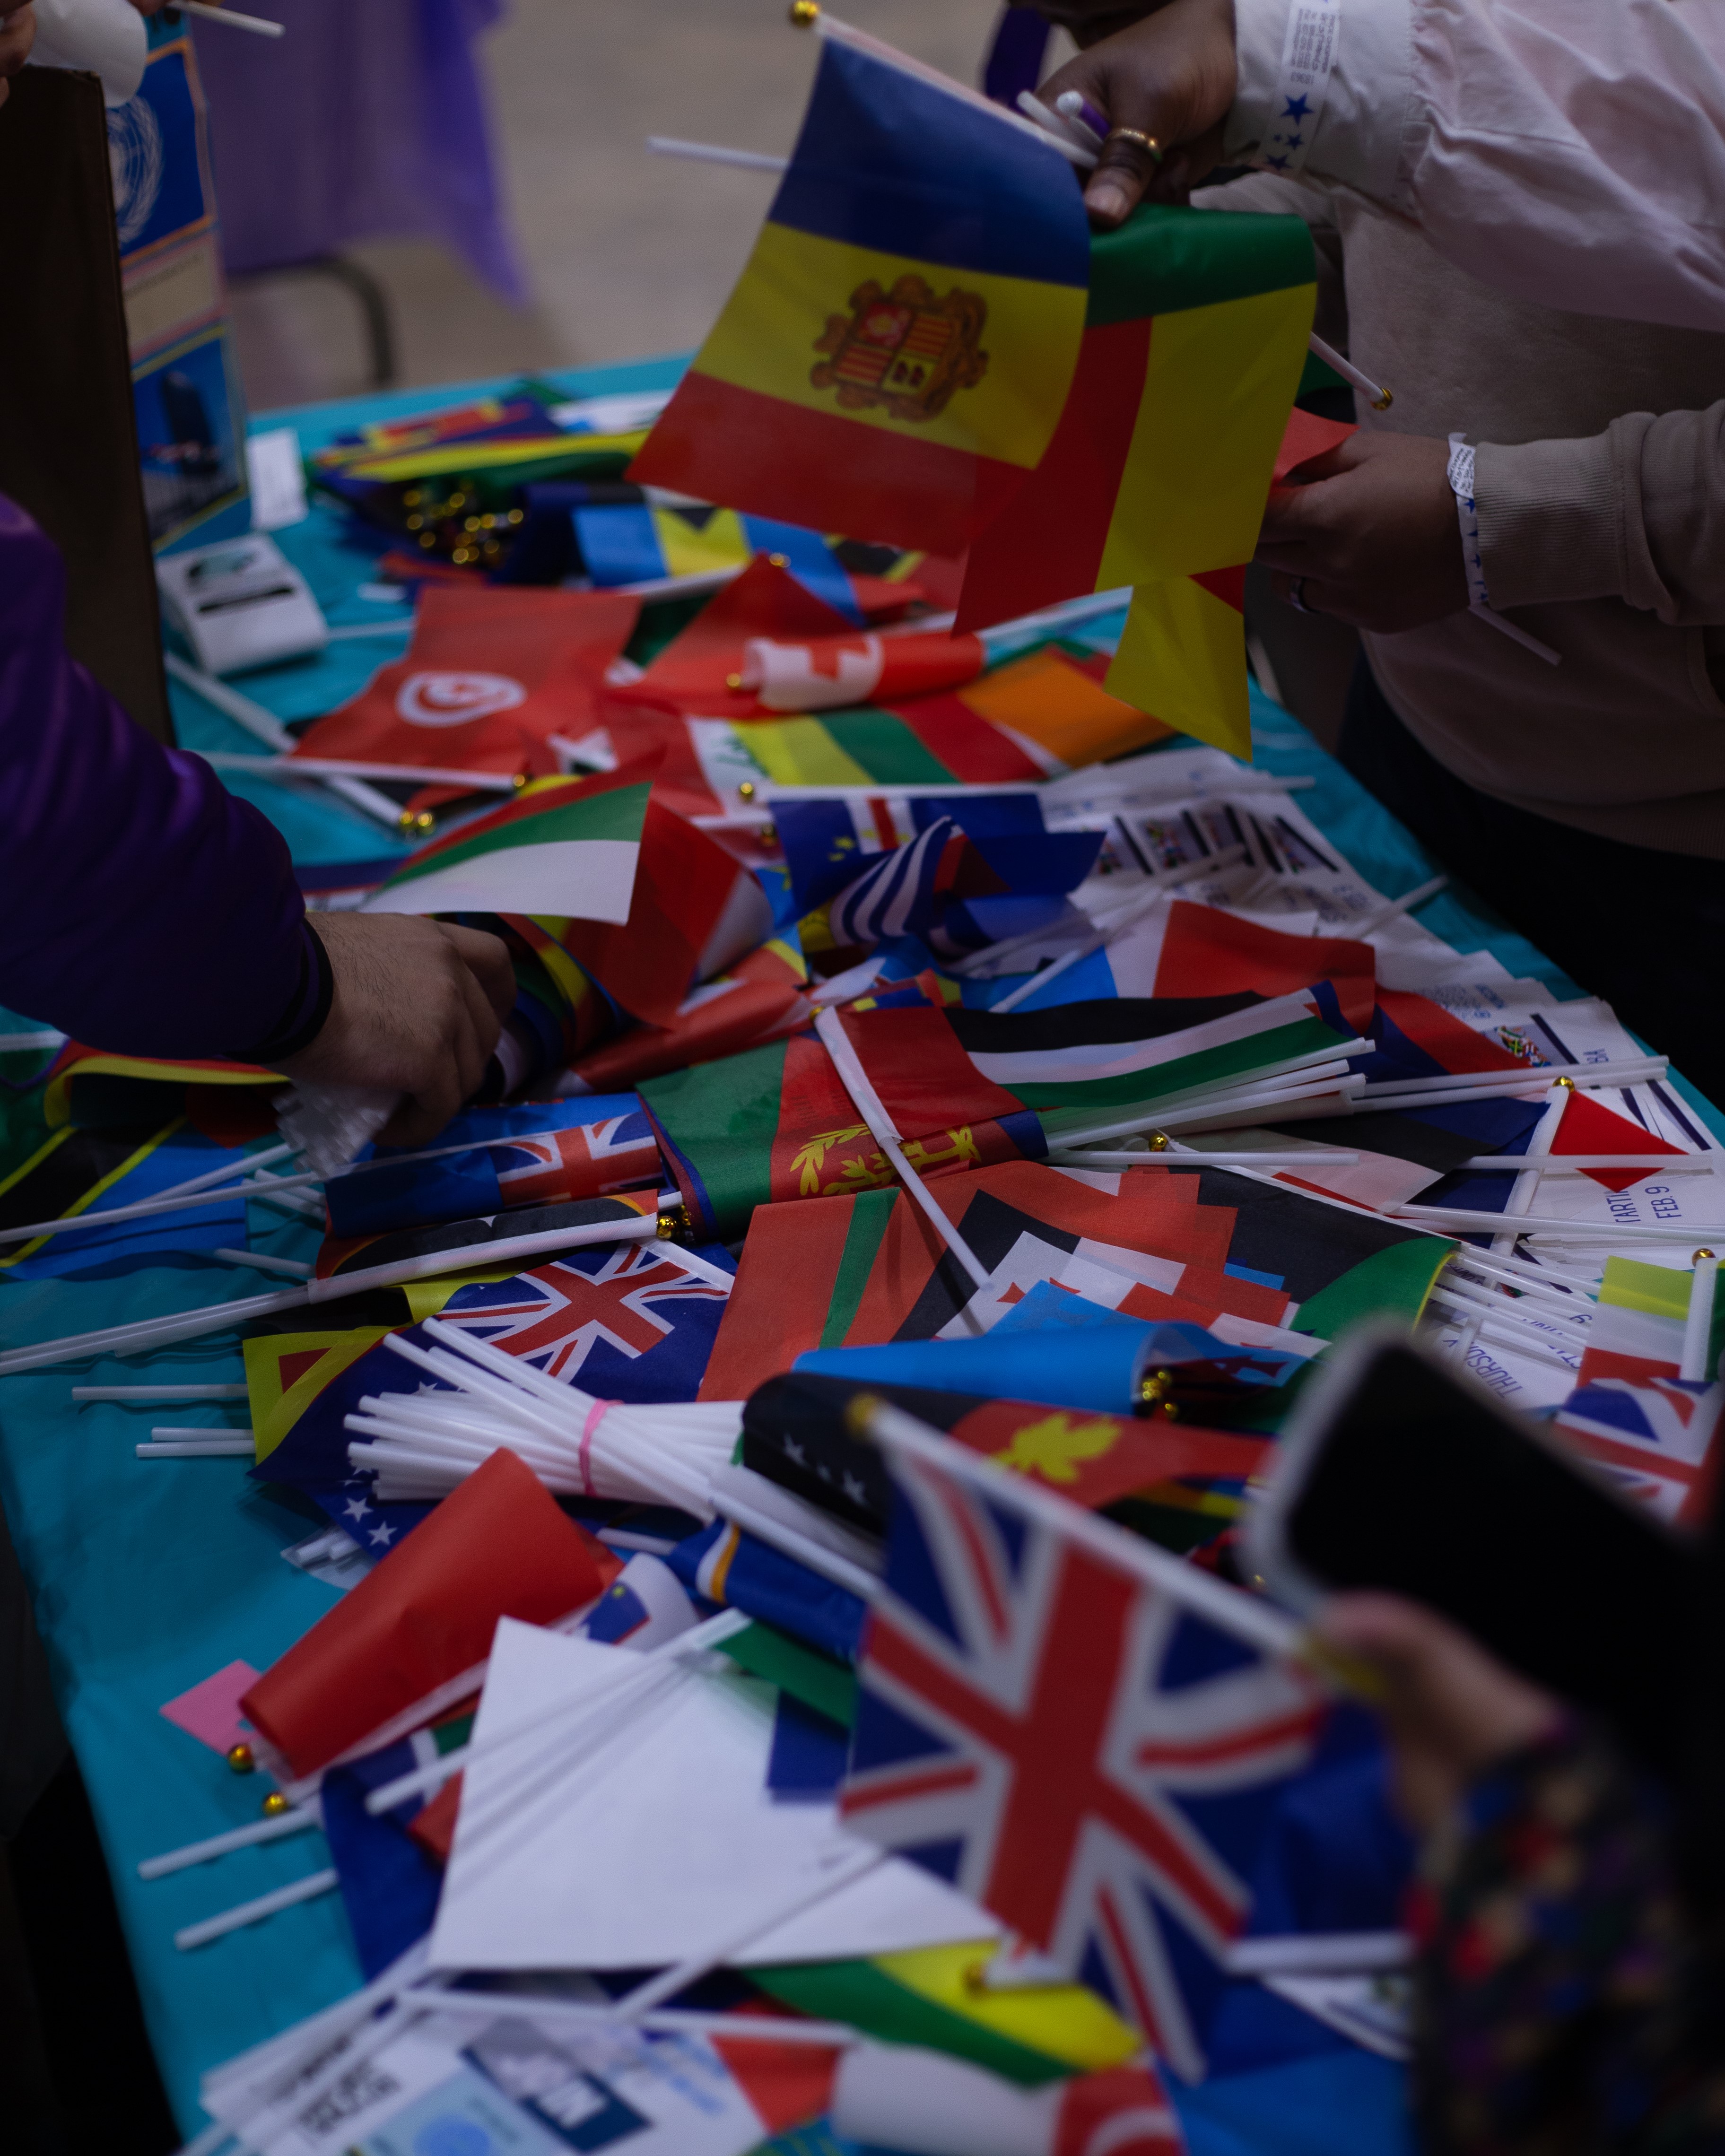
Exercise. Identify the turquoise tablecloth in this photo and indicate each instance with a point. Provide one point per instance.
(150, 1575)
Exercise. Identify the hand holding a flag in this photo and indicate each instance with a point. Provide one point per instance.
(1167, 80)
(1451, 1710)
(417, 1009)
(1369, 531)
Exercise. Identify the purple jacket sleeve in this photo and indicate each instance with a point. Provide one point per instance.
(143, 908)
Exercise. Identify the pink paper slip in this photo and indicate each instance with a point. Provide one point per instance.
(210, 1711)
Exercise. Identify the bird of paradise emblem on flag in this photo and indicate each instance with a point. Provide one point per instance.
(905, 350)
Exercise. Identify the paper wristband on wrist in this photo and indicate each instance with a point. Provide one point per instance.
(1308, 54)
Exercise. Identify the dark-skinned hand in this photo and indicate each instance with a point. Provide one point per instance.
(17, 34)
(1371, 526)
(1450, 1710)
(1172, 77)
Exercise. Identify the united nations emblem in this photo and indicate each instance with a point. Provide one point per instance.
(905, 350)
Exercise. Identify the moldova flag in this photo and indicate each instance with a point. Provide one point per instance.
(1194, 340)
(896, 355)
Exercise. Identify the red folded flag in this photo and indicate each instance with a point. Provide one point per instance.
(1205, 951)
(499, 1546)
(491, 674)
(756, 999)
(695, 910)
(694, 671)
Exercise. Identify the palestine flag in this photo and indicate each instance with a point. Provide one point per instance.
(1194, 343)
(964, 1088)
(563, 846)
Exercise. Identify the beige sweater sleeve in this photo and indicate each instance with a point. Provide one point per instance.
(1637, 513)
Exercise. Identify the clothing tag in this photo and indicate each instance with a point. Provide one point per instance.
(1308, 53)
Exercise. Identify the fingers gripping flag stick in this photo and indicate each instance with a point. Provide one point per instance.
(1082, 1733)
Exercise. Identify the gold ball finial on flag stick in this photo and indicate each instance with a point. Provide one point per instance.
(1701, 1257)
(1568, 1083)
(275, 1804)
(240, 1758)
(1159, 1141)
(804, 14)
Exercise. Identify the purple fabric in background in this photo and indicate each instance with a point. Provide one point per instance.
(142, 907)
(1015, 58)
(367, 121)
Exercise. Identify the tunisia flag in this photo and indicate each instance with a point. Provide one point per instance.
(492, 673)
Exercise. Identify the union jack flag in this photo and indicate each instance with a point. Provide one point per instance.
(1071, 1745)
(1657, 1439)
(587, 1316)
(587, 1160)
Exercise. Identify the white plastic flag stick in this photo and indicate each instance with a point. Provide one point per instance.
(1312, 1157)
(239, 1837)
(232, 16)
(1062, 132)
(1531, 1276)
(187, 1448)
(252, 1913)
(1442, 1219)
(1379, 399)
(1577, 1163)
(350, 631)
(295, 1268)
(1526, 1187)
(856, 1081)
(1485, 1325)
(1698, 1325)
(657, 2020)
(803, 1548)
(1405, 904)
(269, 729)
(152, 1331)
(631, 1671)
(24, 1044)
(1484, 1085)
(326, 766)
(271, 2072)
(159, 1395)
(1296, 1954)
(670, 1982)
(715, 153)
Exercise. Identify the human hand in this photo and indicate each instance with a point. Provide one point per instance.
(1372, 531)
(417, 1008)
(17, 34)
(1172, 77)
(1450, 1710)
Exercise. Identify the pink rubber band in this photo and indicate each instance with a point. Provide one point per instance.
(595, 1415)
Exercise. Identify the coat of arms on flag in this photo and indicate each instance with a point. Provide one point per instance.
(905, 350)
(1071, 1737)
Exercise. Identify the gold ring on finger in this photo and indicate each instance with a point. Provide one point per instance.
(1139, 139)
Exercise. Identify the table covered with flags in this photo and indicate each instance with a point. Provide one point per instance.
(315, 1605)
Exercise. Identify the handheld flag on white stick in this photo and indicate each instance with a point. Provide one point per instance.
(1054, 1706)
